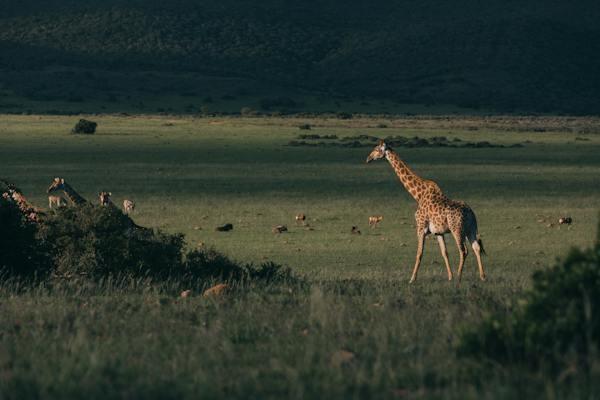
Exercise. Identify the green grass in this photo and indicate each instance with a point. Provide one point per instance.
(190, 175)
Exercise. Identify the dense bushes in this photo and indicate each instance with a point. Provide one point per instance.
(22, 255)
(555, 325)
(92, 242)
(100, 241)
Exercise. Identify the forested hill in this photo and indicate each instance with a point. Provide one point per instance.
(506, 55)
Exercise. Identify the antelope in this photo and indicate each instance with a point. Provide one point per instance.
(374, 220)
(300, 219)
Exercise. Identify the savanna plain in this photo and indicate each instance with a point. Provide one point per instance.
(351, 326)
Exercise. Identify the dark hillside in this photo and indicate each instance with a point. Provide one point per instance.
(505, 55)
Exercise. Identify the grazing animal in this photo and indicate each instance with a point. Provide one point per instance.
(355, 230)
(104, 198)
(435, 214)
(300, 219)
(59, 184)
(216, 290)
(565, 221)
(374, 220)
(57, 201)
(279, 229)
(224, 228)
(128, 206)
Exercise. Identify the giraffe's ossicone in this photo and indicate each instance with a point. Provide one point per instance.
(435, 214)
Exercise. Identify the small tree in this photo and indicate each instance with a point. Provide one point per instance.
(85, 127)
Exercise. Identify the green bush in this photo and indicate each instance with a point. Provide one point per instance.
(85, 127)
(98, 242)
(556, 324)
(93, 243)
(205, 265)
(21, 254)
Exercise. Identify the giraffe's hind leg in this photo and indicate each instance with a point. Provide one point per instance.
(462, 250)
(444, 251)
(477, 250)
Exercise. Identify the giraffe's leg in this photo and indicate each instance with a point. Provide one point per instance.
(477, 250)
(442, 243)
(462, 250)
(420, 241)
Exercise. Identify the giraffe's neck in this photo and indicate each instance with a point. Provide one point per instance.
(30, 211)
(73, 195)
(413, 183)
(22, 202)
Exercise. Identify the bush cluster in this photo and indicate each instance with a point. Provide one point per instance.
(94, 242)
(85, 127)
(555, 325)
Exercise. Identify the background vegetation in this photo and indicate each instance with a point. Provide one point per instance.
(188, 56)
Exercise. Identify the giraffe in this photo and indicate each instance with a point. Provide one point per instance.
(60, 184)
(105, 200)
(128, 206)
(31, 212)
(57, 201)
(435, 214)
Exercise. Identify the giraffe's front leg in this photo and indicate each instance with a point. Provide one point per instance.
(421, 233)
(442, 243)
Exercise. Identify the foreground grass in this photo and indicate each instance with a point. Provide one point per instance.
(266, 341)
(190, 175)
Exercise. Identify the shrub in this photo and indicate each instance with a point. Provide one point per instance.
(344, 115)
(98, 242)
(277, 102)
(247, 111)
(85, 127)
(21, 254)
(304, 127)
(203, 265)
(555, 324)
(94, 242)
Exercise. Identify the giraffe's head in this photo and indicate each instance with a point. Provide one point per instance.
(104, 198)
(57, 184)
(378, 152)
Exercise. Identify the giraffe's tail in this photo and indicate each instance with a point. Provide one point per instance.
(481, 248)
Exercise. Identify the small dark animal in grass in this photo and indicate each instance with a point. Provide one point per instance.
(355, 230)
(374, 220)
(565, 220)
(300, 218)
(224, 228)
(279, 229)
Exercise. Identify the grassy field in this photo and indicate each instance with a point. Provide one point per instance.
(190, 175)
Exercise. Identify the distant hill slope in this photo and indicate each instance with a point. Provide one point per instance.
(506, 55)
